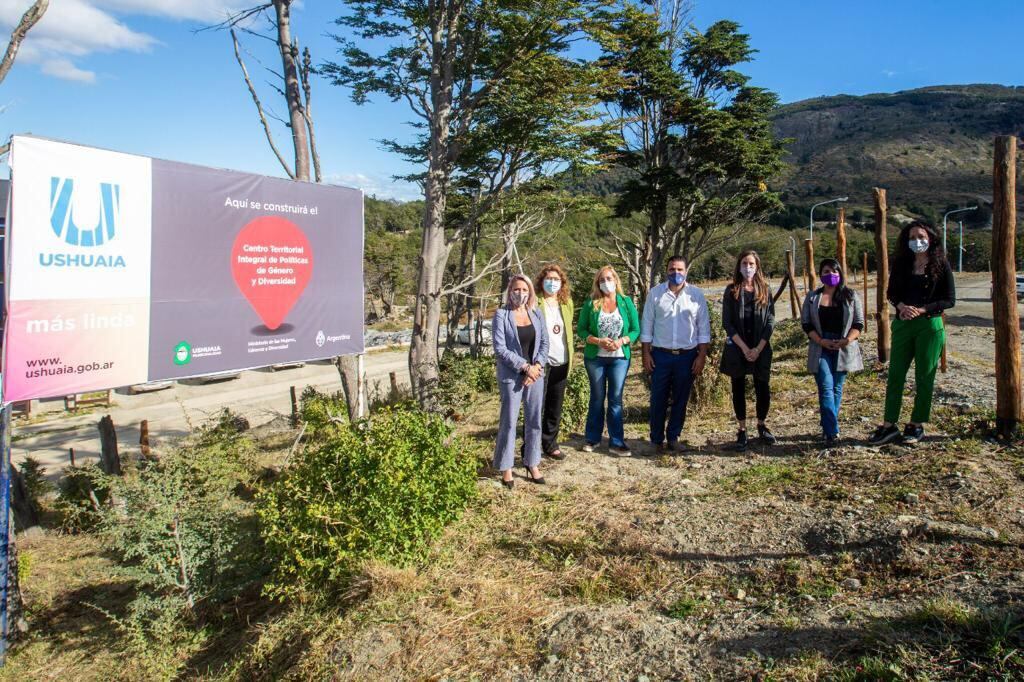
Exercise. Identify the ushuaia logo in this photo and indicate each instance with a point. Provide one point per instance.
(62, 222)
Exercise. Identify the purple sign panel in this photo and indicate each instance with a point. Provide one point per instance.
(249, 271)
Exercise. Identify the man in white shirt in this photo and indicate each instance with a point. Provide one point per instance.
(675, 332)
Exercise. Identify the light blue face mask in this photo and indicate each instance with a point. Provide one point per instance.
(552, 286)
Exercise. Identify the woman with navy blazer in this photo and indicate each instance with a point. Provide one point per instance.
(520, 341)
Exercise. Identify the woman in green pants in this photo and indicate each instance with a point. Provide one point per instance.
(920, 287)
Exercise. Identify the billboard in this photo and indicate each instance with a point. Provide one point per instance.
(123, 269)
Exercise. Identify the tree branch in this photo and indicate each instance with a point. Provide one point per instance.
(259, 107)
(29, 19)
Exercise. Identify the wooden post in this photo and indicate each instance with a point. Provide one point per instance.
(864, 276)
(71, 456)
(882, 280)
(1004, 287)
(295, 407)
(794, 297)
(144, 437)
(812, 276)
(841, 240)
(110, 461)
(393, 376)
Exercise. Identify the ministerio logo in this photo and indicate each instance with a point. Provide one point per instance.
(183, 353)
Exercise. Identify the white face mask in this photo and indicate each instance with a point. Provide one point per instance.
(918, 245)
(748, 271)
(608, 286)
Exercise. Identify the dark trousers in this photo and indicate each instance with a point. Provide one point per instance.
(762, 395)
(554, 391)
(672, 377)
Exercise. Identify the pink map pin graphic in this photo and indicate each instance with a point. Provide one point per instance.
(271, 261)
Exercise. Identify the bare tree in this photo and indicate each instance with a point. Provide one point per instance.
(29, 19)
(296, 89)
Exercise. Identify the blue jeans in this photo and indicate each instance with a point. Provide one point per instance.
(673, 376)
(607, 377)
(830, 388)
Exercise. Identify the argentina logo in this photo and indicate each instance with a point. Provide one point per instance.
(62, 220)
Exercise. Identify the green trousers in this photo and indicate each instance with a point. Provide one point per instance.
(920, 340)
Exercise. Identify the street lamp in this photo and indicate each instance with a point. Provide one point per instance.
(822, 203)
(949, 213)
(960, 262)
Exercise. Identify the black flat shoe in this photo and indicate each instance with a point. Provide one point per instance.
(741, 440)
(766, 436)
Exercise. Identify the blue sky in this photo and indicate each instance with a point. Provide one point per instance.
(132, 75)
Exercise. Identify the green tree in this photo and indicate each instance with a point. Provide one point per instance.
(696, 137)
(451, 62)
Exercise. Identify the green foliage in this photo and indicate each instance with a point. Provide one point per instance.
(34, 476)
(184, 536)
(711, 388)
(576, 400)
(682, 608)
(461, 378)
(380, 489)
(83, 491)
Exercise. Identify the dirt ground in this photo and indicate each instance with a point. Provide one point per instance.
(782, 562)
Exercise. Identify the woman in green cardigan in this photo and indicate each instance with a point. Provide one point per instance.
(558, 312)
(608, 325)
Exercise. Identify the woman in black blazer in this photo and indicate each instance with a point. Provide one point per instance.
(748, 316)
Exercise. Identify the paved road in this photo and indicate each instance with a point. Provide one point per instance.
(259, 395)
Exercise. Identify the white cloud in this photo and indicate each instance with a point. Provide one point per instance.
(889, 73)
(74, 29)
(64, 69)
(380, 186)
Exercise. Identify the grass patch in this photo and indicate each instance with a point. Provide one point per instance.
(682, 608)
(761, 479)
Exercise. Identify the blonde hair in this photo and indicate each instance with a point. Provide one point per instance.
(531, 302)
(596, 294)
(563, 293)
(762, 292)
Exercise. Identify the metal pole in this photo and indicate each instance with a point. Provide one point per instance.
(821, 203)
(5, 526)
(944, 217)
(960, 262)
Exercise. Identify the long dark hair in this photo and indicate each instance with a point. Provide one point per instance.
(844, 294)
(762, 294)
(903, 260)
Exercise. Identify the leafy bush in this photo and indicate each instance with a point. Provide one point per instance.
(378, 489)
(576, 401)
(461, 378)
(34, 476)
(711, 387)
(184, 536)
(83, 492)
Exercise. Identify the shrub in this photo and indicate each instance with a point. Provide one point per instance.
(184, 536)
(83, 492)
(711, 388)
(34, 476)
(576, 401)
(379, 489)
(461, 378)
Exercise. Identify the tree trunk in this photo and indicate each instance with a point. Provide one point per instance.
(29, 19)
(110, 461)
(882, 282)
(1004, 288)
(349, 374)
(841, 241)
(292, 91)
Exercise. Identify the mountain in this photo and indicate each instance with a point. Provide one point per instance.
(930, 147)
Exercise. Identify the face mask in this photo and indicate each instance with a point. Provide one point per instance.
(608, 286)
(676, 278)
(918, 245)
(552, 286)
(831, 279)
(749, 271)
(518, 298)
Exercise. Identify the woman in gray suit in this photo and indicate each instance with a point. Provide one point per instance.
(833, 318)
(520, 343)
